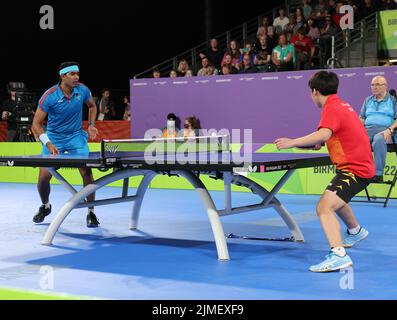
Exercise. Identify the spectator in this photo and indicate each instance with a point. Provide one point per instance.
(388, 5)
(226, 70)
(379, 114)
(234, 51)
(291, 28)
(246, 65)
(173, 74)
(307, 9)
(127, 109)
(300, 19)
(280, 22)
(284, 55)
(263, 52)
(327, 32)
(321, 8)
(183, 67)
(8, 113)
(248, 49)
(156, 74)
(189, 73)
(191, 128)
(214, 54)
(106, 107)
(331, 7)
(337, 16)
(228, 61)
(367, 9)
(267, 26)
(262, 31)
(304, 49)
(314, 32)
(171, 131)
(205, 70)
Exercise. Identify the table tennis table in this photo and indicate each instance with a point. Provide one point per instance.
(225, 165)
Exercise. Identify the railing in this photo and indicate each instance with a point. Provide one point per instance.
(242, 33)
(344, 40)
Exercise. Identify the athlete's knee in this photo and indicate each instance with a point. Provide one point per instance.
(44, 176)
(323, 208)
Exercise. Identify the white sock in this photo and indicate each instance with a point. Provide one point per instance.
(47, 205)
(339, 251)
(355, 231)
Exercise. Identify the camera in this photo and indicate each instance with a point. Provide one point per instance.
(23, 113)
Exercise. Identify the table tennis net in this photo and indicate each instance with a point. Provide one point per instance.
(166, 146)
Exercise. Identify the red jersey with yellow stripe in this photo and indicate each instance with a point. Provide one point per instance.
(349, 145)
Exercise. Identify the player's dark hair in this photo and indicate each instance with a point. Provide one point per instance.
(64, 65)
(171, 116)
(325, 82)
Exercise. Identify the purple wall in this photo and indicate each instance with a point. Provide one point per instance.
(272, 104)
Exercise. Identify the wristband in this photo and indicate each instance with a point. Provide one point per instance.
(44, 138)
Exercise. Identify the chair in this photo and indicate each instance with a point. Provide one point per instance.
(391, 148)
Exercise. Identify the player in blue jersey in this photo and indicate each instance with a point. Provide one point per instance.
(63, 104)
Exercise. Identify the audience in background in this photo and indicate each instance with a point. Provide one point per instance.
(156, 74)
(214, 54)
(106, 107)
(234, 51)
(284, 55)
(307, 9)
(183, 67)
(304, 49)
(280, 22)
(171, 130)
(247, 66)
(173, 74)
(314, 32)
(127, 109)
(189, 73)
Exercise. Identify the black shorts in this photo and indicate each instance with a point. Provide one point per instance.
(347, 185)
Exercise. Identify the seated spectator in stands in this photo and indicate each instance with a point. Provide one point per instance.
(173, 74)
(379, 115)
(314, 32)
(248, 49)
(106, 107)
(206, 68)
(228, 62)
(331, 7)
(156, 74)
(263, 53)
(283, 55)
(263, 33)
(307, 9)
(127, 109)
(214, 54)
(246, 66)
(234, 51)
(291, 28)
(304, 49)
(189, 73)
(388, 5)
(226, 70)
(265, 25)
(183, 67)
(191, 128)
(321, 8)
(367, 9)
(336, 15)
(171, 131)
(300, 19)
(280, 22)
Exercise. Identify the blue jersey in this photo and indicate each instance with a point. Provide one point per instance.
(64, 114)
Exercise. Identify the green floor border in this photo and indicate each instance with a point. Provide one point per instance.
(16, 294)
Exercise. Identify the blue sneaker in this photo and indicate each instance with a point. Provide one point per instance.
(332, 263)
(350, 240)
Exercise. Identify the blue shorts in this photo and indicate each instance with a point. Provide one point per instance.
(77, 144)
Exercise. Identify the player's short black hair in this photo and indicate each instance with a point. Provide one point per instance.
(64, 65)
(171, 116)
(325, 82)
